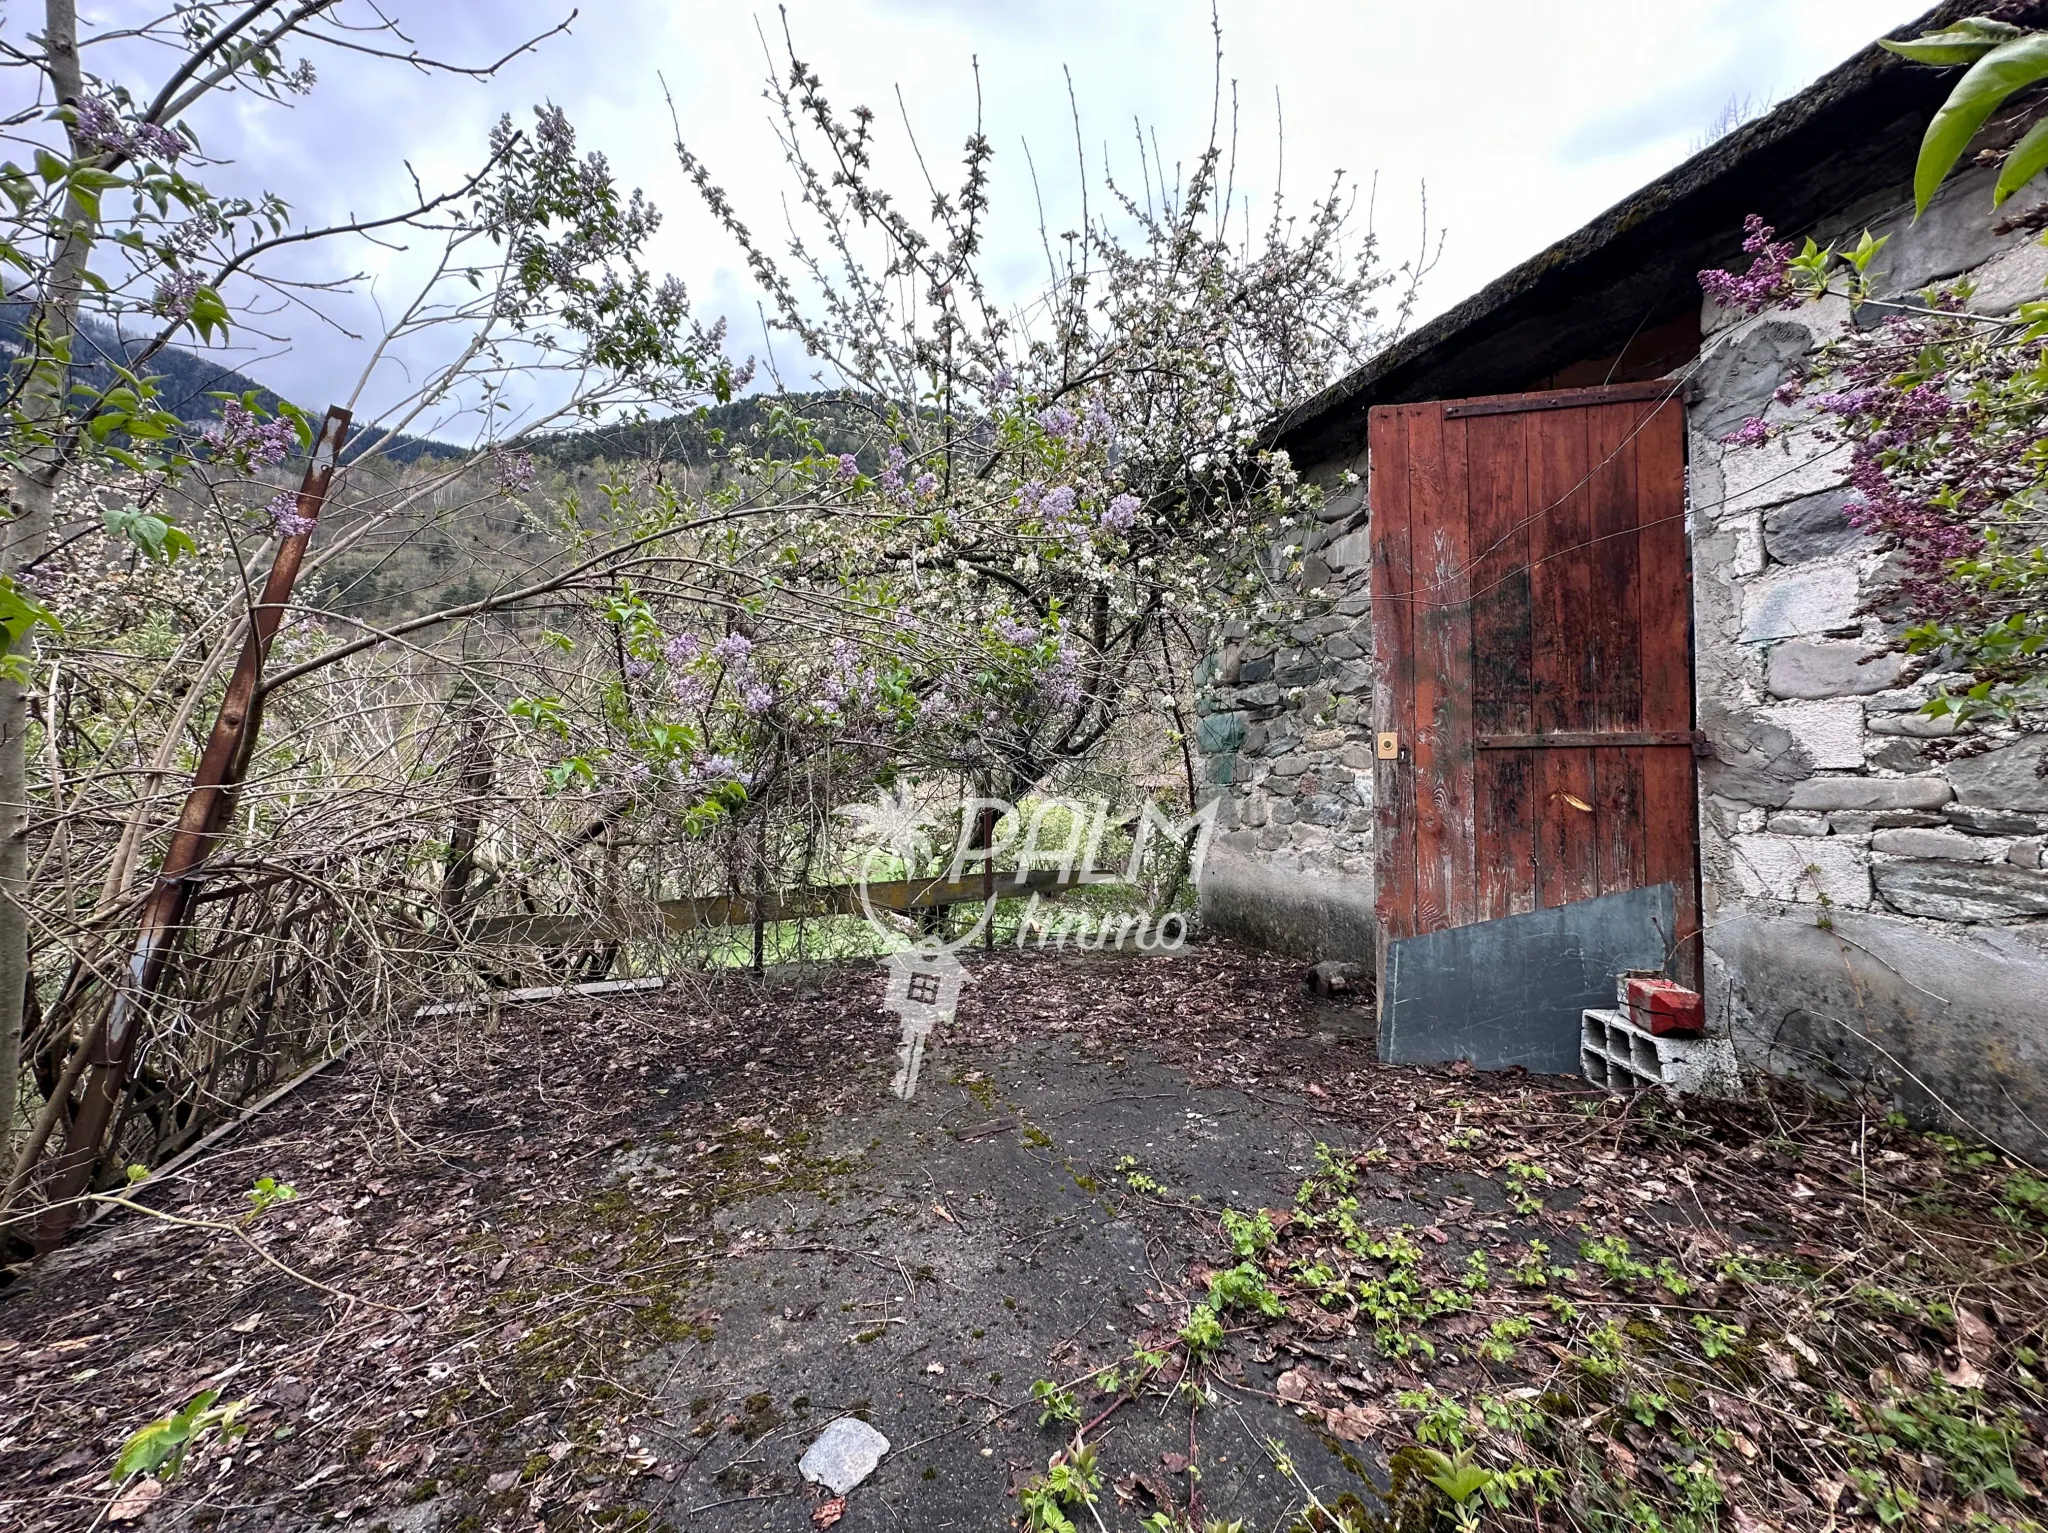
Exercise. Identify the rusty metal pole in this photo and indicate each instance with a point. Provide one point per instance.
(204, 815)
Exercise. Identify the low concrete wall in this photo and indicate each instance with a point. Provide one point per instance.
(1952, 1022)
(1303, 914)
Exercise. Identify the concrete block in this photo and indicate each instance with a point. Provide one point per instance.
(1801, 869)
(1804, 668)
(1961, 891)
(1797, 824)
(1870, 793)
(1831, 733)
(2008, 778)
(1950, 844)
(1801, 600)
(1616, 1054)
(1812, 527)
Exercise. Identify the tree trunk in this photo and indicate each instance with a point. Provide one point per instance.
(22, 540)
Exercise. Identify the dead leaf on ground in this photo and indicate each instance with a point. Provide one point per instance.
(1974, 1336)
(1355, 1423)
(133, 1504)
(828, 1512)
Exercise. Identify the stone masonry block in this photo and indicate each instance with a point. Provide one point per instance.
(1785, 468)
(1802, 600)
(1961, 891)
(1803, 668)
(2008, 778)
(1870, 793)
(1831, 733)
(1801, 869)
(1952, 845)
(1797, 824)
(1811, 527)
(1861, 822)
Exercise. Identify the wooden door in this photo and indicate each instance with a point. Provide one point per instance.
(1532, 623)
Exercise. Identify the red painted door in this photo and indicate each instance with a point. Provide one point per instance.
(1532, 624)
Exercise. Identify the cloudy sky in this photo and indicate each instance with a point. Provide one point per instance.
(1522, 118)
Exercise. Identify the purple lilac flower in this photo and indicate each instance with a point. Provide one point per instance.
(516, 470)
(175, 294)
(892, 475)
(99, 126)
(1003, 381)
(690, 689)
(757, 697)
(158, 143)
(241, 431)
(1058, 420)
(679, 649)
(713, 771)
(732, 649)
(1010, 631)
(1751, 433)
(927, 486)
(1058, 503)
(1764, 284)
(1122, 513)
(635, 669)
(283, 513)
(1060, 683)
(1100, 428)
(849, 465)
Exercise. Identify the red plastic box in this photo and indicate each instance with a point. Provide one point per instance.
(1658, 1006)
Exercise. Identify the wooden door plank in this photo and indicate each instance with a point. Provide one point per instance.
(1504, 850)
(1670, 804)
(1614, 628)
(1560, 590)
(1442, 645)
(1394, 685)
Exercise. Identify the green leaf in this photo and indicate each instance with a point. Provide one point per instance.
(157, 536)
(19, 613)
(50, 168)
(1964, 43)
(1977, 95)
(2026, 160)
(162, 1444)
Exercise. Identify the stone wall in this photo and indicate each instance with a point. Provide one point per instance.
(1873, 880)
(1871, 877)
(1286, 737)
